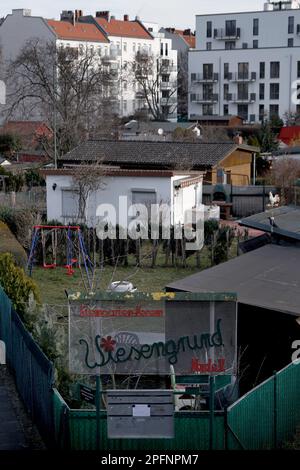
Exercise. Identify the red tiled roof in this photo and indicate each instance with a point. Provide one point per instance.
(190, 39)
(288, 134)
(29, 132)
(77, 32)
(129, 29)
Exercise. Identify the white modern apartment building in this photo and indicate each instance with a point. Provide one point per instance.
(246, 63)
(117, 43)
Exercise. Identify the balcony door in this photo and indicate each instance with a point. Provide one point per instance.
(243, 70)
(230, 28)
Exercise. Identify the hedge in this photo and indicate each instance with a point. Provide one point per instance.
(9, 244)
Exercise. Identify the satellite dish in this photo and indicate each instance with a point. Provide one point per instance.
(160, 131)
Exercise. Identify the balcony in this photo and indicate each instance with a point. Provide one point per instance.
(241, 77)
(244, 99)
(165, 85)
(209, 98)
(140, 95)
(168, 101)
(223, 34)
(204, 78)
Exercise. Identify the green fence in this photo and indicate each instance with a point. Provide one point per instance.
(265, 418)
(32, 370)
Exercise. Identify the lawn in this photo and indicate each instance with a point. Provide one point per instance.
(54, 282)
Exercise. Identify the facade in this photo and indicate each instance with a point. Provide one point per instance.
(182, 42)
(116, 42)
(139, 187)
(246, 63)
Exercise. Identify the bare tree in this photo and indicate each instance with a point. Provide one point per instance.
(87, 178)
(284, 174)
(155, 87)
(183, 84)
(70, 88)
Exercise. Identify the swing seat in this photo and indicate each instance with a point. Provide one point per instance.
(49, 266)
(74, 261)
(70, 270)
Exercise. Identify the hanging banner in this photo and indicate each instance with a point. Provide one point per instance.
(132, 334)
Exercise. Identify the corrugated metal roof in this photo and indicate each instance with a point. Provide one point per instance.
(268, 277)
(286, 218)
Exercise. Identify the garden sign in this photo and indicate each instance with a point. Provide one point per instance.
(136, 333)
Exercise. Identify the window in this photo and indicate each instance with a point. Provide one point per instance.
(262, 69)
(274, 110)
(274, 69)
(125, 46)
(229, 45)
(226, 91)
(261, 112)
(298, 109)
(161, 48)
(291, 25)
(245, 45)
(226, 70)
(261, 91)
(165, 94)
(290, 42)
(243, 70)
(208, 70)
(243, 111)
(230, 28)
(298, 92)
(243, 90)
(208, 29)
(134, 47)
(207, 109)
(255, 44)
(144, 196)
(167, 49)
(208, 46)
(208, 90)
(70, 203)
(255, 26)
(225, 110)
(274, 91)
(298, 69)
(125, 86)
(124, 106)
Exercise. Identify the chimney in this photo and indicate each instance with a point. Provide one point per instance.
(187, 32)
(103, 14)
(137, 18)
(126, 17)
(78, 14)
(238, 139)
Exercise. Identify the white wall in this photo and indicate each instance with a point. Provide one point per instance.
(114, 186)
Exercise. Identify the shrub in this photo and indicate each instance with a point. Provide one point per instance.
(18, 287)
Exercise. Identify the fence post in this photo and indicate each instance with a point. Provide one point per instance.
(226, 427)
(275, 409)
(264, 197)
(212, 411)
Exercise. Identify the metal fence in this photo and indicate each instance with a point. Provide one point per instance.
(32, 370)
(35, 198)
(246, 200)
(265, 418)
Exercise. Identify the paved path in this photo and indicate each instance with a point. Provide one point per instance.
(11, 434)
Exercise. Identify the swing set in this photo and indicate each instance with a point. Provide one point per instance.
(41, 234)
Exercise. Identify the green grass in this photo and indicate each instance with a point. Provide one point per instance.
(54, 282)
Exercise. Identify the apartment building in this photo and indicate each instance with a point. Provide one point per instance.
(117, 43)
(246, 63)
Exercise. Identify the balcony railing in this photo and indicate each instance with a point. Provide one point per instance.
(206, 77)
(209, 98)
(168, 101)
(140, 95)
(224, 34)
(241, 77)
(165, 85)
(240, 98)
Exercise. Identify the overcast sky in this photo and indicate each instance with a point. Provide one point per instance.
(179, 13)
